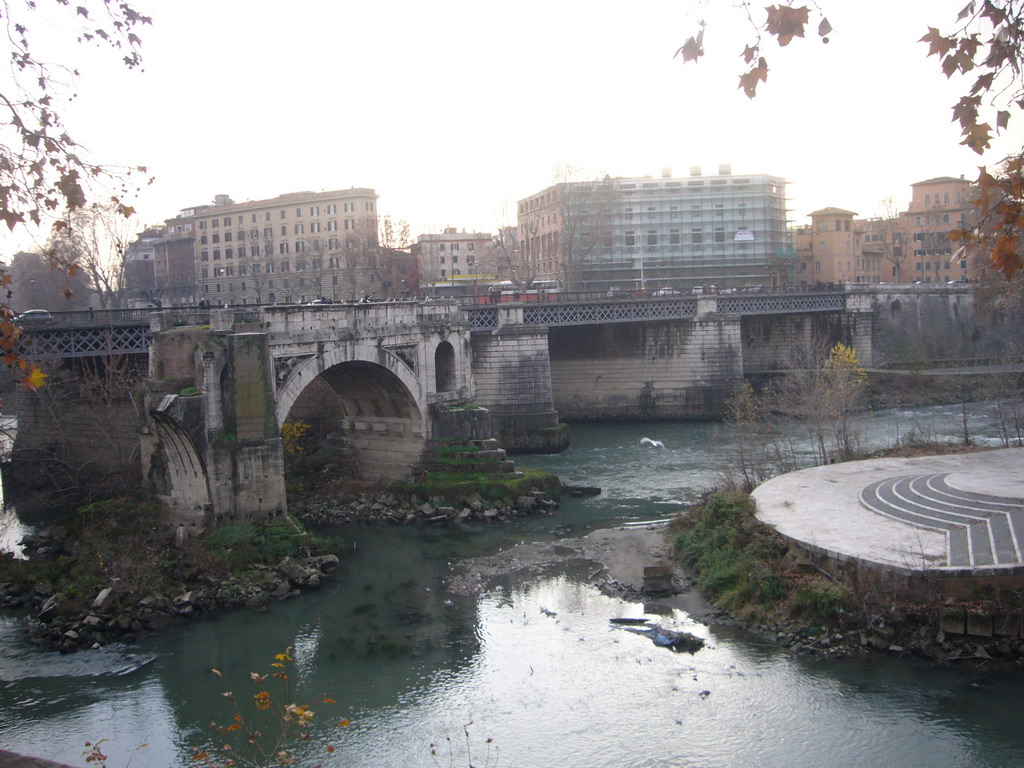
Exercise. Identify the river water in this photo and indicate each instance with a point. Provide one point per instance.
(533, 665)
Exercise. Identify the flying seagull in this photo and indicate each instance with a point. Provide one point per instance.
(652, 443)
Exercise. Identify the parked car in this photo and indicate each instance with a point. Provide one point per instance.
(34, 317)
(666, 291)
(618, 293)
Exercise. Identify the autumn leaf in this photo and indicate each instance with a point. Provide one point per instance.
(977, 137)
(786, 22)
(34, 380)
(749, 80)
(692, 49)
(938, 44)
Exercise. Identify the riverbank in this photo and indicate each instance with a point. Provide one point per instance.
(108, 572)
(613, 561)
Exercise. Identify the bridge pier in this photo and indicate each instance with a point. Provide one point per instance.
(211, 447)
(512, 371)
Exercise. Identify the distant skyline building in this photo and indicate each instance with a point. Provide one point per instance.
(648, 232)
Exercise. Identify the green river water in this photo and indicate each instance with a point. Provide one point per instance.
(533, 665)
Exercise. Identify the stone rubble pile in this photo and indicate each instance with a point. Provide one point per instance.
(391, 509)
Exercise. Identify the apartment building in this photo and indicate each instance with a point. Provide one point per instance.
(291, 248)
(906, 247)
(726, 230)
(832, 250)
(936, 207)
(454, 258)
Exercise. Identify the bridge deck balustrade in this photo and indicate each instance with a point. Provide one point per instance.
(121, 332)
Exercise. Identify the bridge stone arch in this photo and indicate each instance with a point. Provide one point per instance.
(383, 422)
(296, 373)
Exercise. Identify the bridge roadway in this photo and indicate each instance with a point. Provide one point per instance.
(960, 514)
(126, 332)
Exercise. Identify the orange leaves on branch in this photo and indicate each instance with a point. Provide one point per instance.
(1000, 204)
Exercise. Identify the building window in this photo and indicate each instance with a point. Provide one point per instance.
(254, 233)
(299, 246)
(332, 226)
(202, 225)
(350, 224)
(350, 207)
(229, 253)
(673, 237)
(266, 216)
(299, 229)
(369, 206)
(298, 213)
(283, 248)
(697, 236)
(286, 267)
(216, 238)
(314, 210)
(630, 238)
(227, 221)
(215, 223)
(227, 237)
(470, 246)
(284, 213)
(216, 254)
(202, 240)
(268, 232)
(314, 227)
(719, 234)
(284, 230)
(652, 237)
(331, 209)
(205, 255)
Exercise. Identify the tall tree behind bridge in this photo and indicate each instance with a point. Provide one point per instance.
(587, 208)
(96, 239)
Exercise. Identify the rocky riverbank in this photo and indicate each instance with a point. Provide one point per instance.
(61, 619)
(387, 508)
(109, 572)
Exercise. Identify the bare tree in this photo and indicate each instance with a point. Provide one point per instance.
(586, 212)
(96, 241)
(890, 231)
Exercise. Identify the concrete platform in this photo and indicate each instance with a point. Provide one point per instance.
(960, 515)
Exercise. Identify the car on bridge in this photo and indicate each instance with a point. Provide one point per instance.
(666, 291)
(34, 318)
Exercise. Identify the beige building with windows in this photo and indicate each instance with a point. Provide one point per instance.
(908, 247)
(295, 247)
(831, 250)
(454, 261)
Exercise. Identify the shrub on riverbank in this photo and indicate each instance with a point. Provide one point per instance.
(742, 563)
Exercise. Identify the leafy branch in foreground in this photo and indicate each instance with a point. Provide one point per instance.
(986, 45)
(264, 736)
(45, 175)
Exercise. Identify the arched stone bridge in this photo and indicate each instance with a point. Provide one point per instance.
(382, 378)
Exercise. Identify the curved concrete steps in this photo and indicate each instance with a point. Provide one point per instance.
(980, 530)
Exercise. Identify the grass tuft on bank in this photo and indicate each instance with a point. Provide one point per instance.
(746, 567)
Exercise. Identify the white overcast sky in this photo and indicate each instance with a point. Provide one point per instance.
(453, 110)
